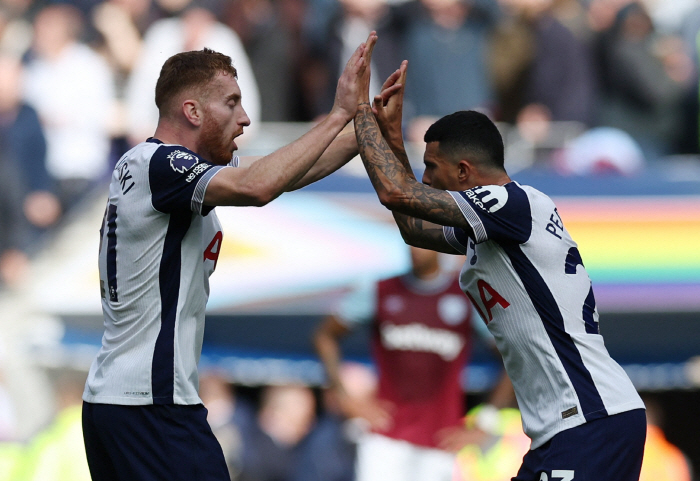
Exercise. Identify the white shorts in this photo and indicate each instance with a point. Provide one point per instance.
(380, 458)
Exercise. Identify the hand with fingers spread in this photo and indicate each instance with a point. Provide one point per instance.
(352, 80)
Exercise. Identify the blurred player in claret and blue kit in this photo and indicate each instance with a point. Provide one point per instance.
(524, 274)
(160, 240)
(422, 331)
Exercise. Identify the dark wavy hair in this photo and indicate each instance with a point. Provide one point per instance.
(468, 133)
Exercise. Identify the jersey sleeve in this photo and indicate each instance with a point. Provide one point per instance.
(457, 238)
(178, 179)
(494, 212)
(359, 306)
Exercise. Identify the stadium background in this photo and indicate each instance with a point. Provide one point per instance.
(284, 266)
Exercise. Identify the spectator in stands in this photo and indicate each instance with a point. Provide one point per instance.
(227, 417)
(270, 35)
(351, 22)
(27, 197)
(193, 29)
(642, 85)
(549, 76)
(447, 46)
(72, 89)
(272, 447)
(15, 28)
(121, 24)
(330, 450)
(13, 260)
(22, 139)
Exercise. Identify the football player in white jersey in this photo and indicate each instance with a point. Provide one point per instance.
(160, 240)
(525, 275)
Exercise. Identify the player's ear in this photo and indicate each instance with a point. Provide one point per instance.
(465, 171)
(192, 111)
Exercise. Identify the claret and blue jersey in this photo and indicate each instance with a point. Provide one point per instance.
(525, 276)
(159, 244)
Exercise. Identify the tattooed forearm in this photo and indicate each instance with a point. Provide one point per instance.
(385, 171)
(398, 189)
(419, 233)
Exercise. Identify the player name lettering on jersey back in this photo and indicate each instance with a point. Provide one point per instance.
(555, 224)
(417, 337)
(125, 179)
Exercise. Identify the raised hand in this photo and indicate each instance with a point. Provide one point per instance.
(353, 83)
(364, 74)
(388, 105)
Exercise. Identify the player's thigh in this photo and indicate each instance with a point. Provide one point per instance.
(432, 465)
(159, 442)
(380, 458)
(607, 449)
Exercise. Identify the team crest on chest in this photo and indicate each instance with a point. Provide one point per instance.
(182, 161)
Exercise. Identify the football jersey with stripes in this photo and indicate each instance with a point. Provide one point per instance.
(525, 275)
(159, 244)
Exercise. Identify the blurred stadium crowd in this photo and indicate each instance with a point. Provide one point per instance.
(619, 78)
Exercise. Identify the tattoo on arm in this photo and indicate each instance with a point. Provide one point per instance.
(389, 174)
(419, 233)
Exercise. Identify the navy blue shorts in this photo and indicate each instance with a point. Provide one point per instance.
(607, 449)
(151, 443)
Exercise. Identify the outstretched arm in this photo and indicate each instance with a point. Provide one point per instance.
(341, 151)
(388, 110)
(276, 173)
(395, 182)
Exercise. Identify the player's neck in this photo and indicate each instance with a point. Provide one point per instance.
(492, 178)
(172, 133)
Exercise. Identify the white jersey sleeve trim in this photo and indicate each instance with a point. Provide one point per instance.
(451, 238)
(201, 188)
(471, 216)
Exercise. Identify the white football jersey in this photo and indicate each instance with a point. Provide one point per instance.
(525, 275)
(158, 247)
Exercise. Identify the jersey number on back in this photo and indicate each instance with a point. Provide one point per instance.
(573, 260)
(109, 223)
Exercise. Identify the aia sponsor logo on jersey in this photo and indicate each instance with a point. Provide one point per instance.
(490, 198)
(182, 161)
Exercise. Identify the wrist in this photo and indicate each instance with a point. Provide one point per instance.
(338, 118)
